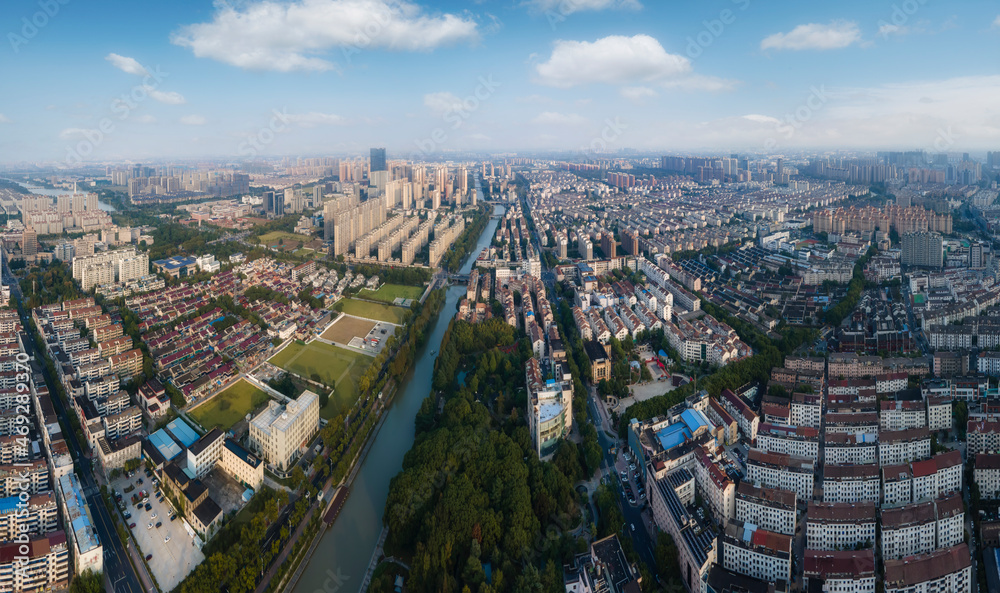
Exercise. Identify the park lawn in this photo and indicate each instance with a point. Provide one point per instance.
(290, 238)
(389, 292)
(229, 407)
(376, 311)
(337, 366)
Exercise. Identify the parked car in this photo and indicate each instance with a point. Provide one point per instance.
(166, 539)
(149, 557)
(128, 515)
(149, 526)
(172, 517)
(131, 525)
(149, 507)
(159, 524)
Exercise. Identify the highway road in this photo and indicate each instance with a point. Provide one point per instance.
(118, 572)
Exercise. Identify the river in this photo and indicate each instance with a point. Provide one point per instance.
(346, 548)
(41, 191)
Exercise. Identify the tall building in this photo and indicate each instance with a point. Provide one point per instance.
(29, 243)
(110, 266)
(976, 259)
(280, 431)
(923, 249)
(378, 161)
(269, 202)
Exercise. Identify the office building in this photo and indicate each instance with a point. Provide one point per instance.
(281, 431)
(378, 161)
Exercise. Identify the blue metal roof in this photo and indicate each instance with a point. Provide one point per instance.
(673, 436)
(694, 420)
(182, 432)
(165, 444)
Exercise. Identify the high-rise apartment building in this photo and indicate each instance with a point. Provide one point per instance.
(110, 266)
(29, 243)
(923, 249)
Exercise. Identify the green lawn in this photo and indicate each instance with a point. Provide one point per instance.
(389, 292)
(229, 407)
(290, 238)
(334, 366)
(376, 311)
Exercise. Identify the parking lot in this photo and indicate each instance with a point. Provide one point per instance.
(171, 560)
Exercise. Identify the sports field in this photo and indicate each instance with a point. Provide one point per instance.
(229, 407)
(334, 366)
(387, 293)
(346, 328)
(389, 313)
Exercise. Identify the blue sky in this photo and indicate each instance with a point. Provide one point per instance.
(243, 78)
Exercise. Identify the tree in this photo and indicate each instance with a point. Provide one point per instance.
(88, 582)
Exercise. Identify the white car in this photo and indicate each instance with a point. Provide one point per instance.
(153, 516)
(166, 539)
(149, 526)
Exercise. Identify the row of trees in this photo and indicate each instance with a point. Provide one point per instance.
(452, 261)
(835, 315)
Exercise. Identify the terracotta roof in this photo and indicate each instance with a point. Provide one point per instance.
(844, 564)
(918, 569)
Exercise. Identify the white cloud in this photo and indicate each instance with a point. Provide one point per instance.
(553, 118)
(762, 119)
(4, 119)
(441, 103)
(886, 30)
(638, 94)
(996, 22)
(70, 133)
(285, 37)
(568, 7)
(193, 120)
(170, 98)
(835, 35)
(611, 60)
(146, 119)
(698, 82)
(126, 64)
(315, 118)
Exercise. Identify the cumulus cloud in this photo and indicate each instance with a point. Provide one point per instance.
(193, 120)
(553, 118)
(170, 98)
(611, 60)
(296, 36)
(441, 103)
(4, 119)
(568, 7)
(834, 35)
(762, 119)
(315, 118)
(126, 64)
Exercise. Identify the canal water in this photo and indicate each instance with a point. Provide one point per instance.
(41, 191)
(346, 548)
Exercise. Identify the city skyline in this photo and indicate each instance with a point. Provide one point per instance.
(249, 79)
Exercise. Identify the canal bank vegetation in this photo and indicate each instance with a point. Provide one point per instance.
(466, 242)
(473, 498)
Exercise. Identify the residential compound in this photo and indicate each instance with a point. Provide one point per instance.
(70, 212)
(93, 378)
(123, 266)
(47, 533)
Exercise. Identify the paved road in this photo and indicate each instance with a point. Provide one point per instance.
(117, 569)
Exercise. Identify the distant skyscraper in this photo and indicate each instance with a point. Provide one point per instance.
(279, 204)
(378, 161)
(779, 170)
(269, 202)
